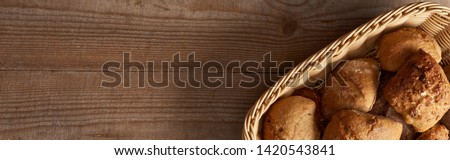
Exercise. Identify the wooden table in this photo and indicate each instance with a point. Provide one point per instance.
(52, 53)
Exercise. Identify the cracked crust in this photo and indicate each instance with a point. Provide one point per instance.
(419, 91)
(291, 118)
(395, 48)
(361, 78)
(356, 125)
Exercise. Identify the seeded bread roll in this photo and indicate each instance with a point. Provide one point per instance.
(356, 125)
(352, 86)
(419, 91)
(438, 132)
(291, 118)
(395, 48)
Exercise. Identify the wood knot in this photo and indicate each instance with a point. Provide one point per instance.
(289, 27)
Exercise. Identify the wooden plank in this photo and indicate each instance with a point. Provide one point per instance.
(72, 105)
(82, 35)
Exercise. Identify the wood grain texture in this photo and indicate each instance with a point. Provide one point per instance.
(67, 104)
(52, 51)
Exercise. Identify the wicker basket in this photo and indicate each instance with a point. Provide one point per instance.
(430, 17)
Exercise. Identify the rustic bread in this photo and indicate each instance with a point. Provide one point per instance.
(313, 95)
(353, 86)
(291, 118)
(356, 125)
(419, 91)
(446, 118)
(395, 48)
(438, 132)
(408, 132)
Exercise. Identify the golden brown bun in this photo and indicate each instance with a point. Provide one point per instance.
(313, 95)
(438, 132)
(395, 48)
(291, 118)
(419, 91)
(355, 125)
(356, 90)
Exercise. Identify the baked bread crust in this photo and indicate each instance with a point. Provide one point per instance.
(419, 91)
(314, 95)
(437, 132)
(408, 132)
(361, 77)
(291, 118)
(356, 125)
(395, 48)
(446, 118)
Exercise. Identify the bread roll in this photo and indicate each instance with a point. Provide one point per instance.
(419, 91)
(438, 132)
(446, 118)
(408, 131)
(356, 125)
(291, 118)
(353, 86)
(313, 95)
(395, 48)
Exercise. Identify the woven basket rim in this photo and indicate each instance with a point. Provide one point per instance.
(254, 115)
